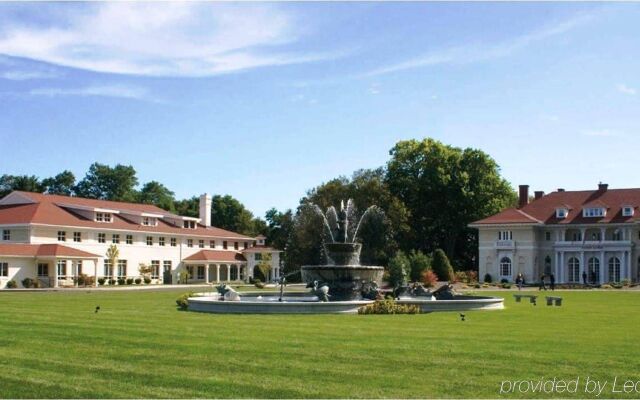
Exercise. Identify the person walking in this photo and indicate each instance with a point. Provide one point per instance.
(584, 277)
(552, 282)
(542, 285)
(520, 281)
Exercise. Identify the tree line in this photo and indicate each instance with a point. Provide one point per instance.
(428, 190)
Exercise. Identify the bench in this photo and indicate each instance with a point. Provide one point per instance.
(532, 298)
(551, 300)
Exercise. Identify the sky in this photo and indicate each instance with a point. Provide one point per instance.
(264, 101)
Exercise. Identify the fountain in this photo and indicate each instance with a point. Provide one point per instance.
(341, 285)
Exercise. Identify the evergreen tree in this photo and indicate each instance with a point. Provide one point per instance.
(441, 266)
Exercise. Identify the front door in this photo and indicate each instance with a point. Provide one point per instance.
(167, 278)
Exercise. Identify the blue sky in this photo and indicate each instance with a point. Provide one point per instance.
(264, 101)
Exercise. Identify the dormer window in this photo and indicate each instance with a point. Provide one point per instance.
(627, 211)
(103, 217)
(593, 212)
(561, 213)
(149, 221)
(189, 224)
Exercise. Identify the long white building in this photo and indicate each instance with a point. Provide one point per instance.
(592, 234)
(54, 239)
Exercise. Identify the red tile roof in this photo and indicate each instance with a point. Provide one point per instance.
(260, 248)
(543, 210)
(46, 210)
(216, 255)
(42, 250)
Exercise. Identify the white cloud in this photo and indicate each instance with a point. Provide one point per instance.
(117, 91)
(374, 89)
(600, 133)
(472, 53)
(160, 39)
(622, 88)
(22, 75)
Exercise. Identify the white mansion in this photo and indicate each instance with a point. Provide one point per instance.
(56, 238)
(592, 234)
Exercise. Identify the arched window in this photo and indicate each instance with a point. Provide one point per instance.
(547, 265)
(614, 269)
(594, 269)
(505, 267)
(574, 270)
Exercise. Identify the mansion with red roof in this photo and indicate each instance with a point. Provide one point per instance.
(574, 235)
(55, 239)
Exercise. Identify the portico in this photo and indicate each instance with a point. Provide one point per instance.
(212, 266)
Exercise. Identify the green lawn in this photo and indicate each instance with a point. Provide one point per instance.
(139, 345)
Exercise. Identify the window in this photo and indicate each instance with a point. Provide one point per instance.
(115, 238)
(200, 271)
(149, 221)
(561, 213)
(129, 239)
(102, 237)
(595, 236)
(627, 211)
(103, 217)
(258, 256)
(617, 235)
(149, 240)
(574, 270)
(108, 268)
(505, 267)
(189, 224)
(107, 217)
(505, 235)
(547, 236)
(77, 236)
(43, 269)
(246, 245)
(201, 244)
(593, 212)
(174, 242)
(577, 236)
(235, 245)
(62, 267)
(189, 242)
(161, 241)
(614, 269)
(78, 267)
(594, 269)
(224, 245)
(4, 269)
(155, 269)
(6, 234)
(62, 236)
(122, 268)
(212, 244)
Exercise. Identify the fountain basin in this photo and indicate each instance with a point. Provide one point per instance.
(345, 281)
(303, 303)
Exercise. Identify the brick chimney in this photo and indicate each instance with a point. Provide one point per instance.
(602, 187)
(523, 198)
(560, 190)
(205, 210)
(538, 194)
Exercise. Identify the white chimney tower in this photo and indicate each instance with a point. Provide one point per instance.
(205, 209)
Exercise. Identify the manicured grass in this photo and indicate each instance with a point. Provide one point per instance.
(54, 345)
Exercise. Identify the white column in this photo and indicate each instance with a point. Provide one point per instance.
(217, 273)
(582, 266)
(603, 231)
(75, 271)
(583, 233)
(603, 265)
(557, 264)
(560, 277)
(55, 273)
(206, 273)
(95, 273)
(627, 272)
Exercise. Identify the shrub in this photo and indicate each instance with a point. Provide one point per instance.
(101, 281)
(89, 280)
(472, 276)
(121, 281)
(12, 284)
(504, 280)
(418, 264)
(147, 280)
(488, 278)
(477, 285)
(625, 282)
(605, 286)
(112, 281)
(506, 285)
(27, 282)
(129, 281)
(460, 276)
(397, 269)
(442, 267)
(258, 283)
(182, 300)
(429, 278)
(138, 281)
(389, 306)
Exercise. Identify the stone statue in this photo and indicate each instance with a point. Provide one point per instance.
(341, 236)
(370, 291)
(227, 292)
(321, 291)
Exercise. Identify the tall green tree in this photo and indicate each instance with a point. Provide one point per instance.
(444, 189)
(418, 263)
(188, 207)
(156, 193)
(279, 227)
(61, 184)
(398, 269)
(108, 183)
(27, 183)
(229, 213)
